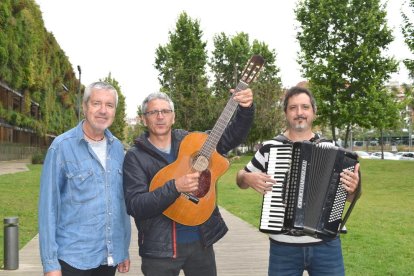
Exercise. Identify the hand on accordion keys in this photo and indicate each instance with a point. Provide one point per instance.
(350, 180)
(259, 181)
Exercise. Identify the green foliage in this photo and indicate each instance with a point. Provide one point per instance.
(269, 118)
(19, 119)
(38, 157)
(133, 132)
(118, 127)
(181, 63)
(230, 55)
(379, 241)
(342, 55)
(408, 32)
(184, 78)
(409, 95)
(32, 62)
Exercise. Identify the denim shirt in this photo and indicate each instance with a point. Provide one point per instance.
(82, 215)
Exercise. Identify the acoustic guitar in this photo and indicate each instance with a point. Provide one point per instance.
(198, 153)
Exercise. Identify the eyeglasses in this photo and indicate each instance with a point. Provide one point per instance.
(156, 112)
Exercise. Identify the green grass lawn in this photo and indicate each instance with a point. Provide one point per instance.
(18, 196)
(381, 228)
(380, 239)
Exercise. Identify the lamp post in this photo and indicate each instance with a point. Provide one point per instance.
(79, 93)
(409, 121)
(410, 130)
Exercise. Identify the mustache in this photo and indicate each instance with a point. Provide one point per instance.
(300, 118)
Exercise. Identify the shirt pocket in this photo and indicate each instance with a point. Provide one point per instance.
(82, 186)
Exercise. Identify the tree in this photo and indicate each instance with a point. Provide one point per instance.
(229, 57)
(407, 29)
(408, 113)
(384, 105)
(227, 63)
(182, 74)
(136, 130)
(342, 55)
(118, 127)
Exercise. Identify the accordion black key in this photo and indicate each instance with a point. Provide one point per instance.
(308, 197)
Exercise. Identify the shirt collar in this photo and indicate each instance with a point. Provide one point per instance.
(80, 136)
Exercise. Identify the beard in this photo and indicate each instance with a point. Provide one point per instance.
(299, 124)
(300, 127)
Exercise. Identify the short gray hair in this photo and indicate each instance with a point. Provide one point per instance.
(99, 85)
(155, 96)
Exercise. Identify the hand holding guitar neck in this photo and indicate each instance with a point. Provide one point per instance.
(244, 98)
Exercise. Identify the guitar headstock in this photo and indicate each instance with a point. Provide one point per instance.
(252, 69)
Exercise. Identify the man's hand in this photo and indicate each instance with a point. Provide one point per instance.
(187, 183)
(350, 180)
(124, 266)
(54, 273)
(243, 97)
(258, 181)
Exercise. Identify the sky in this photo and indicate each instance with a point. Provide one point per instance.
(120, 37)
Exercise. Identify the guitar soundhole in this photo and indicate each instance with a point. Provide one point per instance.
(200, 163)
(203, 183)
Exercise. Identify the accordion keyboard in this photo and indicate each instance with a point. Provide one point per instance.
(273, 208)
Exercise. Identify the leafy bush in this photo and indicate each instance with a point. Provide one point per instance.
(38, 157)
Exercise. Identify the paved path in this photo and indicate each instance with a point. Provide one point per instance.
(13, 166)
(242, 252)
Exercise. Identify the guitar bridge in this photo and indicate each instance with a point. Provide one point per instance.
(191, 198)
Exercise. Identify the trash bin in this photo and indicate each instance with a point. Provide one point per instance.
(11, 243)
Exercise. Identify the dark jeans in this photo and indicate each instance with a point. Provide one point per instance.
(102, 270)
(320, 260)
(192, 258)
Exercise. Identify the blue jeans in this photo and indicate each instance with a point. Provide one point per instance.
(320, 259)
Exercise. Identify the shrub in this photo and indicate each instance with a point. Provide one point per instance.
(38, 157)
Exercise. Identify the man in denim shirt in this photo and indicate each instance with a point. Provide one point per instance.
(83, 225)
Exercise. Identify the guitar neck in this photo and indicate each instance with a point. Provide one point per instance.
(221, 124)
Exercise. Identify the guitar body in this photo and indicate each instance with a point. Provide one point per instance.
(198, 153)
(183, 210)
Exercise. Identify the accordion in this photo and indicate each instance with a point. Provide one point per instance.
(308, 197)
